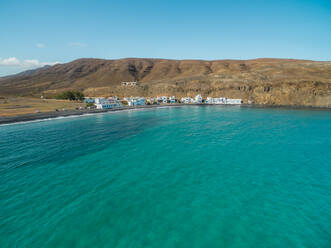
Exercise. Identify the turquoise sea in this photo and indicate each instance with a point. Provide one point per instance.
(195, 176)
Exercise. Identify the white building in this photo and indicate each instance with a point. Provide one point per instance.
(151, 100)
(172, 99)
(136, 101)
(216, 100)
(100, 100)
(233, 101)
(135, 83)
(198, 99)
(219, 100)
(187, 100)
(103, 103)
(222, 100)
(164, 99)
(209, 100)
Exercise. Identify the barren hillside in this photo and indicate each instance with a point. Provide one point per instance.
(263, 81)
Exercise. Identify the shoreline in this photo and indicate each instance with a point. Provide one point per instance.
(68, 113)
(73, 112)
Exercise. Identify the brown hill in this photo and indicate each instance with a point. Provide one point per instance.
(262, 81)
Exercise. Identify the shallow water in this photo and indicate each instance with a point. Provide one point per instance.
(198, 176)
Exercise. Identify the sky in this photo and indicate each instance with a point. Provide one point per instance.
(35, 33)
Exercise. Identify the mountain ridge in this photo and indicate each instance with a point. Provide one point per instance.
(262, 80)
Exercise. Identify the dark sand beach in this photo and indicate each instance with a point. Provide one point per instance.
(66, 113)
(72, 112)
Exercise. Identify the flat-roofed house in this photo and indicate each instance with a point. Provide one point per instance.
(164, 99)
(134, 83)
(222, 100)
(233, 101)
(172, 99)
(187, 100)
(198, 99)
(103, 103)
(136, 101)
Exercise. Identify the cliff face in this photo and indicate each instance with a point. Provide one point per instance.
(262, 81)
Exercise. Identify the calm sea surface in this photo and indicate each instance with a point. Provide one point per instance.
(209, 176)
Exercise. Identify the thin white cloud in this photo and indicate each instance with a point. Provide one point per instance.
(40, 45)
(25, 64)
(77, 44)
(12, 61)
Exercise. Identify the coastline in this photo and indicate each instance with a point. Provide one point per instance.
(68, 113)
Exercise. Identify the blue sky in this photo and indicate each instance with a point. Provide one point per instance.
(34, 33)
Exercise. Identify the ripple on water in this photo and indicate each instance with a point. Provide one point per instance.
(183, 177)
